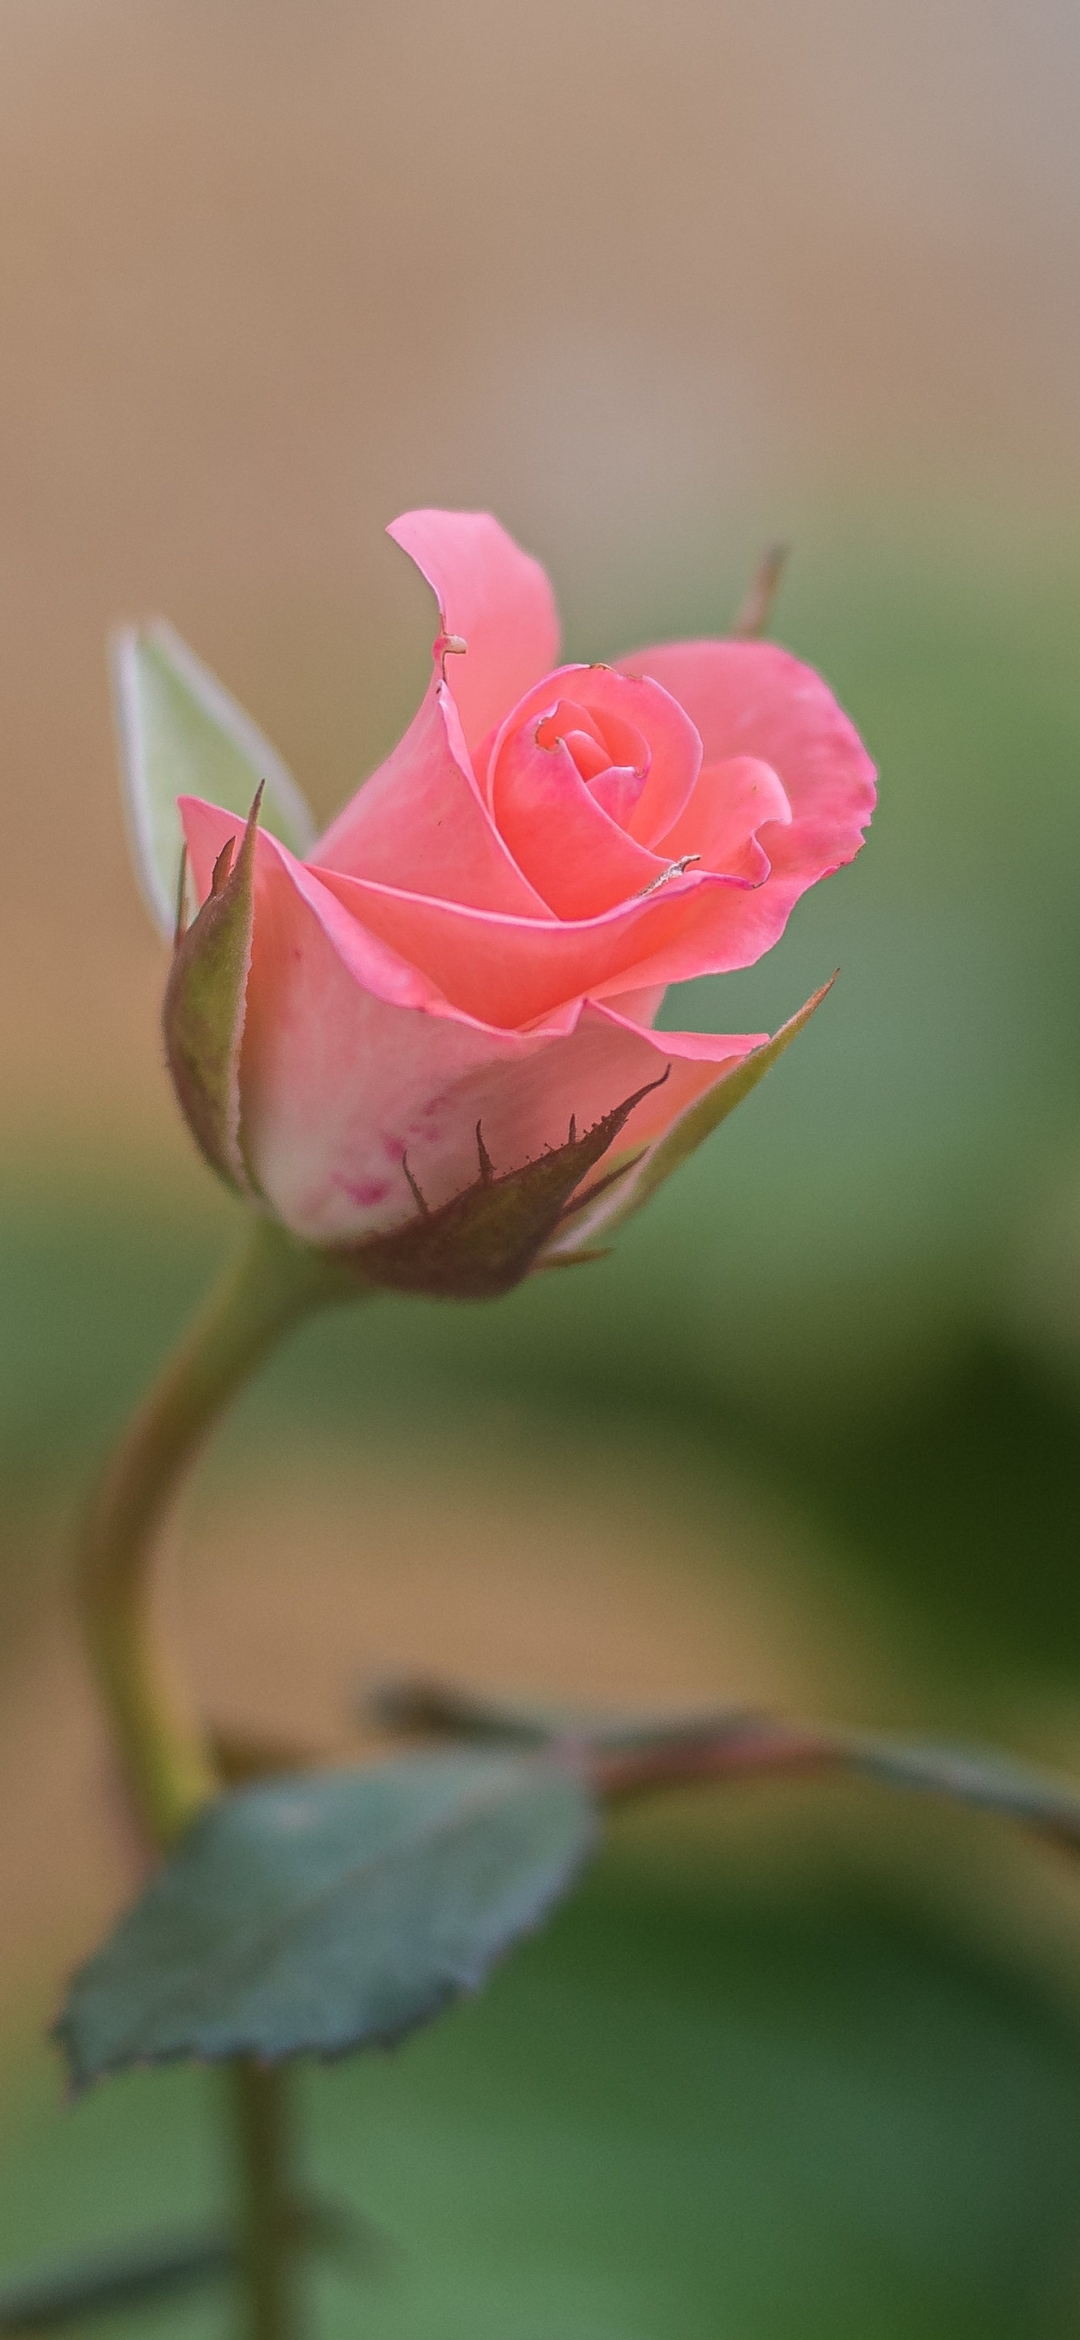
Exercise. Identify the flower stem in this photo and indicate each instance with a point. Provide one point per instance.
(165, 1756)
(164, 1752)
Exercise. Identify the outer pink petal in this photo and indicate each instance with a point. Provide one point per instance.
(338, 1084)
(207, 828)
(511, 971)
(365, 957)
(730, 803)
(525, 1102)
(338, 1087)
(752, 699)
(421, 822)
(495, 598)
(637, 1007)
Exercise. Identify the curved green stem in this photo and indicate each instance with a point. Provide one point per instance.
(273, 1283)
(165, 1755)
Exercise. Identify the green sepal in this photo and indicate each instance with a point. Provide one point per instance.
(685, 1135)
(181, 734)
(486, 1239)
(331, 1911)
(204, 1006)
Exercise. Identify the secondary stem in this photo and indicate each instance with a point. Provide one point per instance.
(267, 2204)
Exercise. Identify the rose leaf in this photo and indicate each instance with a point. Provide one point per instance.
(330, 1911)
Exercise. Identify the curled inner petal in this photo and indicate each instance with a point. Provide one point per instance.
(649, 745)
(611, 757)
(560, 833)
(590, 756)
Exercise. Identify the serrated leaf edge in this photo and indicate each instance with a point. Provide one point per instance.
(445, 1990)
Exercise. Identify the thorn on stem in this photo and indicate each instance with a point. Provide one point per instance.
(761, 593)
(572, 1133)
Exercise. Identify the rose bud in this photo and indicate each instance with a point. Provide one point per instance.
(426, 1042)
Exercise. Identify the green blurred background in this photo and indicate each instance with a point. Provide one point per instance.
(656, 285)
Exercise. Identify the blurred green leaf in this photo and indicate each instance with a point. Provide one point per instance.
(323, 1913)
(182, 735)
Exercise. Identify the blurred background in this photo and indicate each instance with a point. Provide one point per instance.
(656, 285)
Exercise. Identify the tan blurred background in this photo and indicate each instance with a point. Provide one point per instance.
(655, 283)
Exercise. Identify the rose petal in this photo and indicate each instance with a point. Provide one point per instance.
(638, 1007)
(730, 803)
(421, 822)
(732, 1078)
(510, 971)
(339, 1080)
(630, 706)
(207, 827)
(576, 856)
(492, 596)
(524, 1102)
(339, 1085)
(753, 699)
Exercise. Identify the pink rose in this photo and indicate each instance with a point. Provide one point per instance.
(482, 938)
